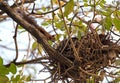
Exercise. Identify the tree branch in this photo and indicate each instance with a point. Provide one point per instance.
(38, 35)
(18, 4)
(33, 61)
(16, 45)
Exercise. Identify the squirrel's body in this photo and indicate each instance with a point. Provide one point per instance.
(30, 20)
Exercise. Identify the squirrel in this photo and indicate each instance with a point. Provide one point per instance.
(30, 20)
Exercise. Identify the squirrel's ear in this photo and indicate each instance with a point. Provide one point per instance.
(53, 35)
(20, 11)
(53, 38)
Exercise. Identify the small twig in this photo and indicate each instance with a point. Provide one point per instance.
(107, 79)
(72, 20)
(94, 11)
(114, 67)
(68, 32)
(91, 74)
(3, 16)
(29, 43)
(84, 21)
(16, 46)
(49, 11)
(53, 18)
(82, 10)
(33, 8)
(12, 49)
(65, 46)
(69, 69)
(59, 69)
(37, 60)
(114, 33)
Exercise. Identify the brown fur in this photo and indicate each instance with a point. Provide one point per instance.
(34, 23)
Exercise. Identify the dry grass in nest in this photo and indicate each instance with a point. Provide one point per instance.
(95, 52)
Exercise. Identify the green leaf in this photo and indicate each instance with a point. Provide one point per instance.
(85, 0)
(17, 77)
(60, 25)
(69, 7)
(40, 49)
(3, 79)
(117, 62)
(116, 80)
(106, 12)
(1, 61)
(57, 37)
(102, 3)
(20, 27)
(28, 78)
(79, 35)
(37, 46)
(45, 23)
(44, 8)
(118, 12)
(39, 12)
(34, 45)
(116, 23)
(59, 15)
(85, 4)
(22, 31)
(50, 42)
(12, 68)
(3, 70)
(108, 23)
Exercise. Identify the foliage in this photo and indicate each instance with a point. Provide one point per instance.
(61, 19)
(5, 71)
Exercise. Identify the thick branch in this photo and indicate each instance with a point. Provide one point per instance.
(38, 35)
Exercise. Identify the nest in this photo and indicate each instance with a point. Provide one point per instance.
(96, 52)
